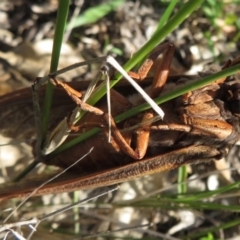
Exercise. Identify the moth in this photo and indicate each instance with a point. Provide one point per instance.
(199, 126)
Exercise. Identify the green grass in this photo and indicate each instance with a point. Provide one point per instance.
(93, 14)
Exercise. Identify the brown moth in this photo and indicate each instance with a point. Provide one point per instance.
(199, 126)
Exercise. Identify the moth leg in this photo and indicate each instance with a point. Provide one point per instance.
(122, 139)
(115, 97)
(76, 97)
(218, 129)
(159, 81)
(162, 72)
(172, 126)
(89, 124)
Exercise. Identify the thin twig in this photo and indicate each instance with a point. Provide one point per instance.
(100, 234)
(37, 220)
(121, 224)
(51, 179)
